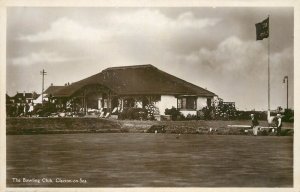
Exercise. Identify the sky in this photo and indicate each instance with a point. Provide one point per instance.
(214, 48)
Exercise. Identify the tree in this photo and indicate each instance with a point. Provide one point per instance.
(279, 109)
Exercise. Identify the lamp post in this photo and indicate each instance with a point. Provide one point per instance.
(43, 73)
(286, 80)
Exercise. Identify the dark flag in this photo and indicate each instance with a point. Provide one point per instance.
(262, 29)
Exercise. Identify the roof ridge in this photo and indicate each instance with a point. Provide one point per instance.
(129, 67)
(56, 86)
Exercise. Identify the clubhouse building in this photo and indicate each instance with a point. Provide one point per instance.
(118, 88)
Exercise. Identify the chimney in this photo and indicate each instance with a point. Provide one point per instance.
(51, 84)
(23, 93)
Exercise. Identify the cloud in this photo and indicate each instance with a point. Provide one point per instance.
(143, 23)
(188, 20)
(231, 55)
(67, 29)
(153, 20)
(117, 38)
(38, 58)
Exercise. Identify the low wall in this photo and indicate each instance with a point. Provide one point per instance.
(97, 125)
(217, 127)
(59, 125)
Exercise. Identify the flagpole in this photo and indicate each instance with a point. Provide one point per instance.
(269, 65)
(269, 112)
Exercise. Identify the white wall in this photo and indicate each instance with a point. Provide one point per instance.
(201, 102)
(166, 101)
(186, 112)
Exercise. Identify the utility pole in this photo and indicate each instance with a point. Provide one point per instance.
(287, 90)
(43, 73)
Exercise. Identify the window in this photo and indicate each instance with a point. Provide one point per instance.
(208, 102)
(187, 103)
(129, 103)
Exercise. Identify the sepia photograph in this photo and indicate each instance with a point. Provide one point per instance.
(135, 97)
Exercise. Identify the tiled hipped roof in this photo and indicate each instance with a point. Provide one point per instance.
(53, 89)
(137, 80)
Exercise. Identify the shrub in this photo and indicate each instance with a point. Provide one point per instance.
(191, 117)
(151, 111)
(208, 113)
(288, 115)
(175, 113)
(46, 110)
(224, 110)
(11, 110)
(200, 114)
(134, 114)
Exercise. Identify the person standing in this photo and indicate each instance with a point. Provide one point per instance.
(254, 124)
(278, 124)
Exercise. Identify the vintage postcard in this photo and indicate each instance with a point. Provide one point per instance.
(135, 96)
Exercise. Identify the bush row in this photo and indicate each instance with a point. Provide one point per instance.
(211, 113)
